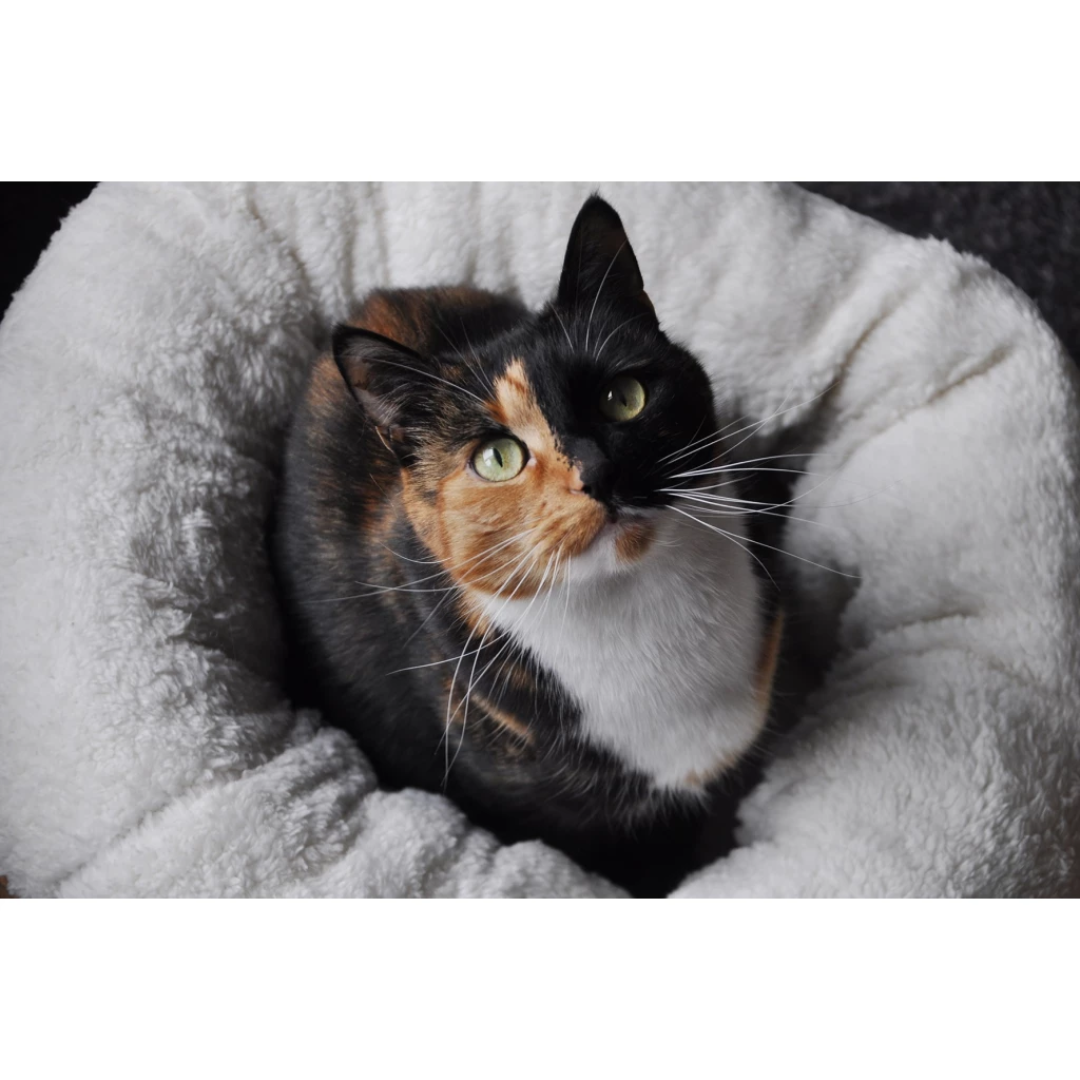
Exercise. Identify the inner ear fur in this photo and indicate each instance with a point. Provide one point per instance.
(384, 376)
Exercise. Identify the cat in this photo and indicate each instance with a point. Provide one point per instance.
(489, 579)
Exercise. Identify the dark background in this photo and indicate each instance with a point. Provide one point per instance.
(1028, 231)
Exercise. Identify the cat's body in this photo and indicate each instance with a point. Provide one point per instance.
(556, 648)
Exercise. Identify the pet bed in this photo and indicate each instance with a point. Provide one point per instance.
(147, 370)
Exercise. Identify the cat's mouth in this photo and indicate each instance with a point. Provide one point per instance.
(627, 533)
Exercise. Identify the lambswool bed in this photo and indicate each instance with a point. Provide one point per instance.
(147, 370)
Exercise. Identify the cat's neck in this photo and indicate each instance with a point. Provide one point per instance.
(661, 657)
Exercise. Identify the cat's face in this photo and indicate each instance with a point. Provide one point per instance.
(543, 454)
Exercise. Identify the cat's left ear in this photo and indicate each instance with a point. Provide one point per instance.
(600, 262)
(386, 378)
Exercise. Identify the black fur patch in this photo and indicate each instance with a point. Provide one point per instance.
(374, 609)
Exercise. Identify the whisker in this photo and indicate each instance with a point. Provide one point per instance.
(566, 334)
(695, 443)
(468, 361)
(599, 290)
(469, 688)
(378, 590)
(755, 428)
(716, 469)
(600, 351)
(457, 566)
(766, 511)
(519, 622)
(453, 682)
(428, 375)
(733, 539)
(786, 554)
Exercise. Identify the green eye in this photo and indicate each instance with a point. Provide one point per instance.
(500, 459)
(622, 399)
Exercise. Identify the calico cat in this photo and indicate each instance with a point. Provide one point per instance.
(488, 579)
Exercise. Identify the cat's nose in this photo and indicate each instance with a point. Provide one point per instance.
(593, 474)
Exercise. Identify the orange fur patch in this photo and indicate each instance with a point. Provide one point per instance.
(467, 522)
(411, 316)
(505, 720)
(766, 671)
(763, 680)
(634, 540)
(326, 390)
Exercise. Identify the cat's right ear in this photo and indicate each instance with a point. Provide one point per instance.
(599, 260)
(381, 375)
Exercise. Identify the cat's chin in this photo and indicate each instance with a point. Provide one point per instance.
(619, 547)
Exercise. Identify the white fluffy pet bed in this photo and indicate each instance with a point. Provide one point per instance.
(147, 370)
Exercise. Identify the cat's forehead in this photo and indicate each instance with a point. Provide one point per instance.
(515, 404)
(533, 389)
(562, 356)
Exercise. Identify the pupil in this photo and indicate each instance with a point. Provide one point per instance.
(498, 457)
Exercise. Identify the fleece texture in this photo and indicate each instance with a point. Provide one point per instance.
(147, 372)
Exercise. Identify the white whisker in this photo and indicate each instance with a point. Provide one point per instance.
(599, 290)
(759, 543)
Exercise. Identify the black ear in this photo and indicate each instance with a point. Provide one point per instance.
(599, 260)
(386, 378)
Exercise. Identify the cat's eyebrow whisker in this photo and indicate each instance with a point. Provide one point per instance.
(428, 375)
(600, 351)
(484, 376)
(566, 333)
(599, 290)
(466, 360)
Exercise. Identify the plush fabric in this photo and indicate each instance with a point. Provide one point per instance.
(147, 370)
(1028, 230)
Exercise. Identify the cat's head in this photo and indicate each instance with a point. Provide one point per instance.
(543, 453)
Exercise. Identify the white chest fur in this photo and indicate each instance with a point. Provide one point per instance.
(660, 656)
